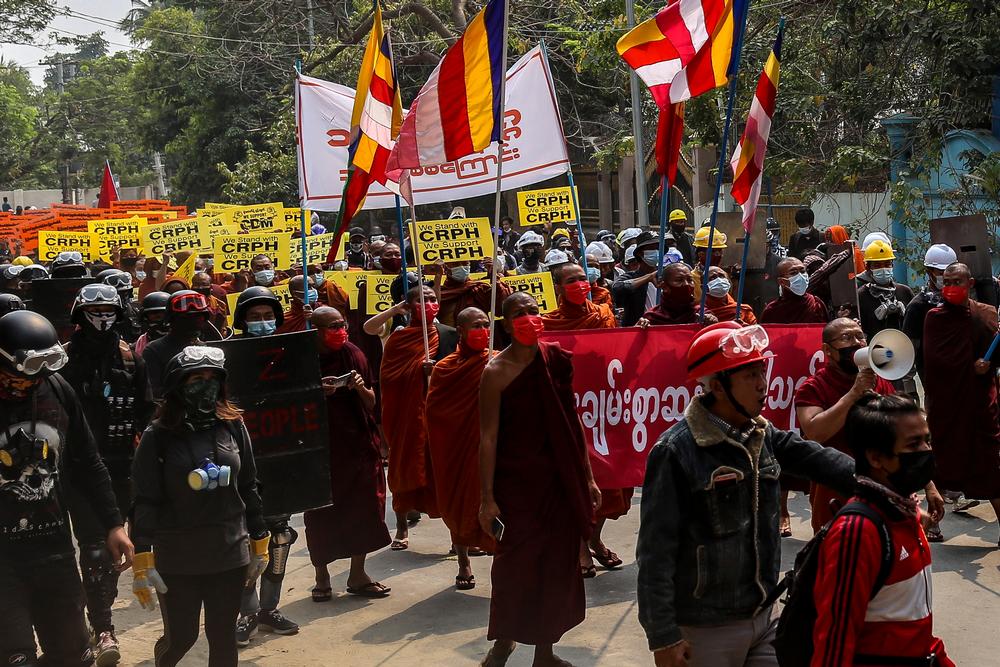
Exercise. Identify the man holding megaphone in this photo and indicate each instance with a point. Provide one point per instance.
(853, 368)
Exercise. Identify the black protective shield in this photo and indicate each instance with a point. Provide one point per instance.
(53, 298)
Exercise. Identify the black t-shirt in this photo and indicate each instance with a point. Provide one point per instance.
(800, 243)
(157, 354)
(888, 301)
(59, 451)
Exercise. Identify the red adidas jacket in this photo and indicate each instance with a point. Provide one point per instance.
(897, 621)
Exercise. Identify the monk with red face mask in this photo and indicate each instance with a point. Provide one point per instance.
(538, 494)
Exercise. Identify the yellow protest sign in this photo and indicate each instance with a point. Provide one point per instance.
(257, 217)
(211, 226)
(538, 285)
(281, 291)
(114, 234)
(293, 220)
(172, 236)
(457, 240)
(549, 205)
(51, 243)
(377, 295)
(209, 206)
(482, 275)
(186, 270)
(167, 215)
(317, 248)
(351, 282)
(233, 252)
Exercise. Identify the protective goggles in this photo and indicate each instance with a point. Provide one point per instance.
(193, 354)
(744, 342)
(69, 256)
(189, 303)
(32, 362)
(97, 292)
(119, 281)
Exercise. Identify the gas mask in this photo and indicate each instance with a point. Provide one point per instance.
(208, 476)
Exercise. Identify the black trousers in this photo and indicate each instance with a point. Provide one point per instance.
(100, 579)
(181, 610)
(44, 598)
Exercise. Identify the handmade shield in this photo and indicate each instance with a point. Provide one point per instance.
(53, 298)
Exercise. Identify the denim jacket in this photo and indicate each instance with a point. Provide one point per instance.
(709, 548)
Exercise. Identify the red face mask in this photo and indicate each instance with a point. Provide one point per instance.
(527, 328)
(577, 292)
(430, 312)
(477, 340)
(335, 338)
(955, 294)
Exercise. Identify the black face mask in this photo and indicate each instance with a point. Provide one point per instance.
(916, 469)
(846, 360)
(200, 397)
(531, 256)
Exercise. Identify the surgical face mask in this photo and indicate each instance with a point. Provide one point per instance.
(264, 277)
(882, 276)
(527, 328)
(210, 262)
(430, 311)
(318, 279)
(377, 263)
(577, 292)
(357, 247)
(532, 255)
(335, 338)
(262, 327)
(391, 264)
(460, 273)
(593, 275)
(650, 257)
(719, 287)
(955, 294)
(798, 283)
(916, 469)
(313, 296)
(477, 340)
(939, 282)
(140, 275)
(101, 321)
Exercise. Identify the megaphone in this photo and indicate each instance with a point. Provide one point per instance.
(889, 353)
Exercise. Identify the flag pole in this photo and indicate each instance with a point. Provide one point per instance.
(733, 80)
(304, 217)
(415, 244)
(402, 255)
(664, 205)
(743, 274)
(496, 209)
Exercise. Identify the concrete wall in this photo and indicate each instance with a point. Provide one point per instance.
(44, 198)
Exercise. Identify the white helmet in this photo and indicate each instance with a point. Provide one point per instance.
(629, 254)
(529, 237)
(555, 258)
(601, 251)
(628, 234)
(875, 236)
(939, 256)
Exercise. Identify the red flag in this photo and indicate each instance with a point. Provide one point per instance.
(109, 191)
(669, 132)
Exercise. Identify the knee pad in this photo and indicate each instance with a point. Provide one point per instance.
(281, 545)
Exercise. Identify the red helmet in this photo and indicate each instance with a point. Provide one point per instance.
(725, 346)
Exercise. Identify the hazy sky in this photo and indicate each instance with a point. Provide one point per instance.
(88, 16)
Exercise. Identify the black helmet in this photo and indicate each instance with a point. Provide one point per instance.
(29, 345)
(34, 272)
(155, 302)
(185, 303)
(117, 278)
(193, 358)
(10, 303)
(94, 294)
(68, 264)
(256, 296)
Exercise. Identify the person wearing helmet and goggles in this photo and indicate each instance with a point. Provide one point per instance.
(711, 491)
(187, 316)
(937, 258)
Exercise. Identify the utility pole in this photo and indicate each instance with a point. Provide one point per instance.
(67, 194)
(640, 153)
(161, 183)
(309, 23)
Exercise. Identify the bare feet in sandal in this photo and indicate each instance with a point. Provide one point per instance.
(498, 655)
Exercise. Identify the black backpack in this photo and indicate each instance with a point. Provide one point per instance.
(793, 642)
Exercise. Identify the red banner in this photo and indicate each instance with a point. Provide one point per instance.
(630, 387)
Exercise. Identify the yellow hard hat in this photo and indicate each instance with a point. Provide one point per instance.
(22, 261)
(560, 232)
(678, 214)
(879, 251)
(718, 239)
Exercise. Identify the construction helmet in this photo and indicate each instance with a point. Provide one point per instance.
(879, 251)
(939, 256)
(718, 239)
(723, 347)
(678, 214)
(561, 232)
(21, 260)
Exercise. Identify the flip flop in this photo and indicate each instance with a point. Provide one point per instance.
(465, 583)
(934, 535)
(608, 559)
(322, 594)
(400, 545)
(588, 571)
(372, 589)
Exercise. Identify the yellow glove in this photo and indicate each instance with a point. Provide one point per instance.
(146, 580)
(258, 558)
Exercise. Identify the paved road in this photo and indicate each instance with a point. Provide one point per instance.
(426, 622)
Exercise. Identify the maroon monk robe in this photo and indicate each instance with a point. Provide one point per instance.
(791, 309)
(354, 523)
(540, 486)
(688, 314)
(962, 410)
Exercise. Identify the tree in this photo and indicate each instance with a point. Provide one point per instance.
(20, 20)
(17, 118)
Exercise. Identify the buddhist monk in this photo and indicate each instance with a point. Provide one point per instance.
(721, 303)
(453, 438)
(459, 292)
(961, 390)
(538, 492)
(599, 294)
(330, 293)
(299, 312)
(794, 305)
(406, 367)
(354, 524)
(677, 299)
(576, 313)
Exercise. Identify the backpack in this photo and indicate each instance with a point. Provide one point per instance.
(793, 643)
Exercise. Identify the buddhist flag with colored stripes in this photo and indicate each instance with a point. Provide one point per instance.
(375, 123)
(686, 49)
(748, 160)
(669, 133)
(457, 112)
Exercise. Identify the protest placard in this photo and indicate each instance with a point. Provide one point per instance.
(233, 252)
(456, 240)
(377, 294)
(257, 217)
(115, 233)
(538, 285)
(166, 215)
(172, 236)
(211, 226)
(51, 243)
(554, 205)
(351, 282)
(317, 247)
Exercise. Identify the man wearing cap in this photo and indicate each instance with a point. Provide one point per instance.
(355, 253)
(678, 229)
(937, 258)
(794, 305)
(881, 301)
(635, 291)
(530, 248)
(711, 490)
(807, 238)
(701, 242)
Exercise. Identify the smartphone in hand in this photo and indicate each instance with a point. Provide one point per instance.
(336, 381)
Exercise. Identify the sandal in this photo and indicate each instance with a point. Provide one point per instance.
(412, 518)
(476, 551)
(588, 571)
(786, 528)
(934, 535)
(608, 559)
(322, 594)
(492, 659)
(372, 589)
(400, 545)
(465, 583)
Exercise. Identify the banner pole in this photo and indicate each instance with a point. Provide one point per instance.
(733, 80)
(664, 205)
(415, 244)
(579, 227)
(496, 208)
(305, 217)
(402, 255)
